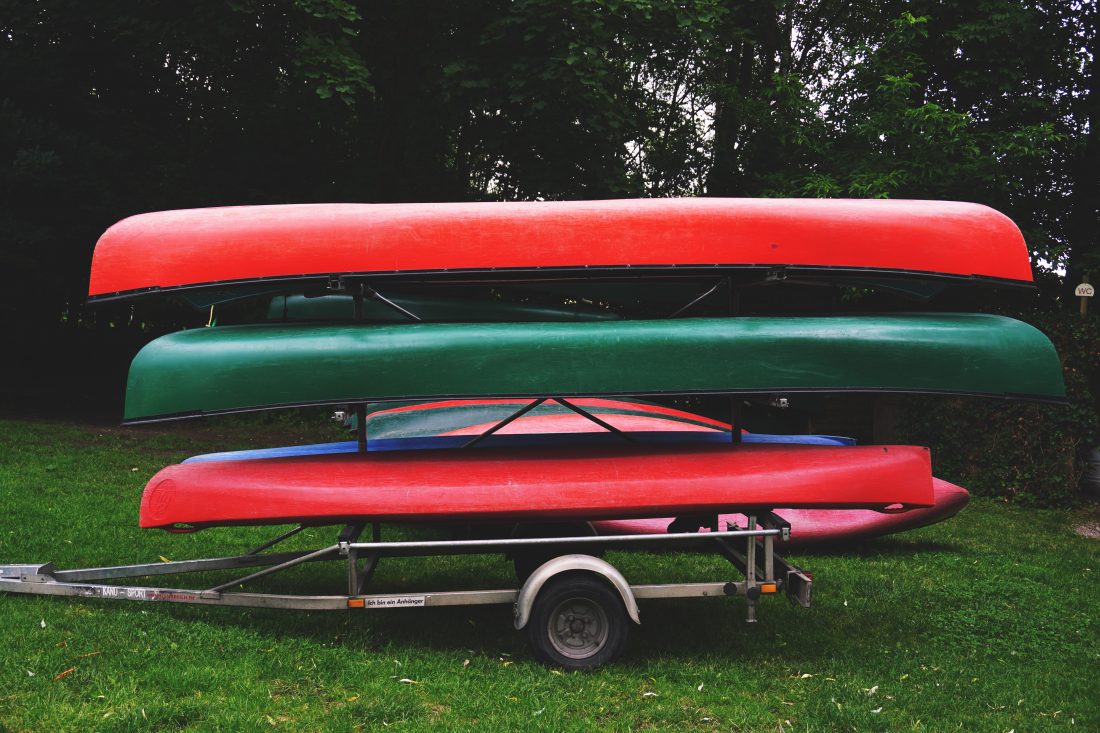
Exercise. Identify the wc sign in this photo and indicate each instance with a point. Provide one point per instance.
(1084, 290)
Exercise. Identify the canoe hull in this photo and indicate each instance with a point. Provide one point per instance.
(177, 249)
(456, 417)
(532, 485)
(453, 423)
(239, 368)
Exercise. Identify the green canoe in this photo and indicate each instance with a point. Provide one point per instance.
(238, 368)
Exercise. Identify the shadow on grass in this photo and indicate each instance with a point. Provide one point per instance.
(681, 629)
(703, 630)
(707, 629)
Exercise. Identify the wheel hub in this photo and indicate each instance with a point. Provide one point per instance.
(578, 628)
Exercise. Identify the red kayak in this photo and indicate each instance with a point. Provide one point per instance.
(178, 249)
(524, 484)
(815, 527)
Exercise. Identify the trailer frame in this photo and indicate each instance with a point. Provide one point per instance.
(764, 571)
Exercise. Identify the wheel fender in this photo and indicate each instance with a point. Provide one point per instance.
(571, 563)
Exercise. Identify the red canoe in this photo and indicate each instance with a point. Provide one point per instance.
(815, 527)
(177, 249)
(523, 484)
(473, 417)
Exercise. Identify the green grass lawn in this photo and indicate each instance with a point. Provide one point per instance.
(988, 622)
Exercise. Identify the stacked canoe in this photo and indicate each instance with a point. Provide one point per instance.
(526, 324)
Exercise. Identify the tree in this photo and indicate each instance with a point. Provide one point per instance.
(111, 110)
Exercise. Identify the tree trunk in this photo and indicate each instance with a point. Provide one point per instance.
(1083, 228)
(722, 178)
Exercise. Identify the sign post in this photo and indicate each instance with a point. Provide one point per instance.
(1084, 291)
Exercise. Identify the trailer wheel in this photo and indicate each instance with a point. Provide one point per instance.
(577, 622)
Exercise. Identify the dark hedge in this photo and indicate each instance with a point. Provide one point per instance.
(1031, 454)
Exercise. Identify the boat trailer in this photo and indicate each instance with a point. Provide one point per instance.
(575, 607)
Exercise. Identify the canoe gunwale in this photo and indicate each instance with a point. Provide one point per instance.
(579, 273)
(1043, 399)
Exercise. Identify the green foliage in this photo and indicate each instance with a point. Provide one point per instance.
(582, 99)
(325, 52)
(898, 135)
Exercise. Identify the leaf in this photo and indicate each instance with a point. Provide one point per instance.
(64, 674)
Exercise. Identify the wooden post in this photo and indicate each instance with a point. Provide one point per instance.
(1084, 301)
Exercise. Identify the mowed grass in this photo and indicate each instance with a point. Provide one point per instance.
(988, 622)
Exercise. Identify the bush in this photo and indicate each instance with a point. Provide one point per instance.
(1032, 454)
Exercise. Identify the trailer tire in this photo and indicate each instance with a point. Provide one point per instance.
(577, 622)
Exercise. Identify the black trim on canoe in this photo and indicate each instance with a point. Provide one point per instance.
(1044, 399)
(546, 274)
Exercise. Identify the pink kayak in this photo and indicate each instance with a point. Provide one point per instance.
(813, 527)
